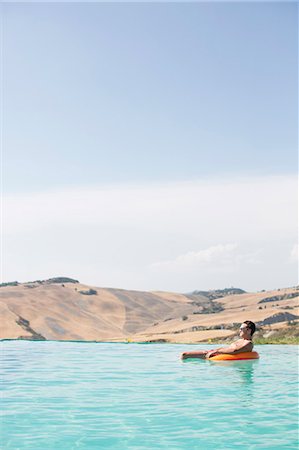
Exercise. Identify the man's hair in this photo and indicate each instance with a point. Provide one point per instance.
(250, 325)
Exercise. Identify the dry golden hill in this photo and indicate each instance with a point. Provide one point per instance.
(63, 309)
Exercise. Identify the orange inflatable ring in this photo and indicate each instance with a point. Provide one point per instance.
(237, 357)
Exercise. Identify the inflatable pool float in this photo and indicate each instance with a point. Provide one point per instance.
(236, 357)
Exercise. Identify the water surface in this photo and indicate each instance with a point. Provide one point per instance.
(64, 396)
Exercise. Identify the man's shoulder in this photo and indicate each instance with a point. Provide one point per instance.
(239, 341)
(243, 343)
(248, 343)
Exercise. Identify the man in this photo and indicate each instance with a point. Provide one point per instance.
(244, 344)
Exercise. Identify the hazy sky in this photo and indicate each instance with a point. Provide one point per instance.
(150, 145)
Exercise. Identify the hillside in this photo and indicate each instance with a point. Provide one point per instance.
(64, 309)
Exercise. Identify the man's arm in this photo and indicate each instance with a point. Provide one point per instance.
(237, 348)
(234, 349)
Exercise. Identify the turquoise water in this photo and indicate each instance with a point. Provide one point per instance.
(64, 396)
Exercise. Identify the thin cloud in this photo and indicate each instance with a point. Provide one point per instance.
(220, 253)
(294, 254)
(214, 256)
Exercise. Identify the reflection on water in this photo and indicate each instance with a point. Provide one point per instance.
(244, 368)
(242, 375)
(246, 371)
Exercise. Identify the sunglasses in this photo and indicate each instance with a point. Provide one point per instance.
(243, 328)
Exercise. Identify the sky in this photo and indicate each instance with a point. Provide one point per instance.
(150, 146)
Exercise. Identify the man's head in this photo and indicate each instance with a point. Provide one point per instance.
(247, 329)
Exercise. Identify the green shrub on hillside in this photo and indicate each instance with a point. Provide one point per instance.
(11, 283)
(89, 292)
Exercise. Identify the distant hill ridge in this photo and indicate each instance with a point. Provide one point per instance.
(213, 293)
(48, 281)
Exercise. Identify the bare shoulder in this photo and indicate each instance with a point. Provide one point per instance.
(244, 343)
(248, 344)
(239, 343)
